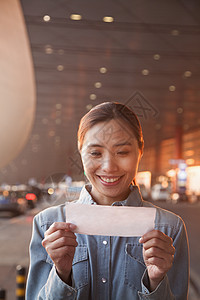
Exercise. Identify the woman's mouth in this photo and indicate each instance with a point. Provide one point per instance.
(110, 180)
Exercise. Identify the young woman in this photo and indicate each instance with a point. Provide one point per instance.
(66, 265)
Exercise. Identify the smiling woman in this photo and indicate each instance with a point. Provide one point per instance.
(66, 264)
(111, 164)
(17, 83)
(111, 160)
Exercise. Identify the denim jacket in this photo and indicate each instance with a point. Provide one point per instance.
(107, 267)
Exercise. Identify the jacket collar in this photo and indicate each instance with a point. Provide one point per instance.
(133, 199)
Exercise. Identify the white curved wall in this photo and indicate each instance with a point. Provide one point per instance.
(17, 82)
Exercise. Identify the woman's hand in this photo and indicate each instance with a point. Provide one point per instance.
(158, 253)
(60, 243)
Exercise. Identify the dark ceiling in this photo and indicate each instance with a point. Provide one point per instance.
(148, 57)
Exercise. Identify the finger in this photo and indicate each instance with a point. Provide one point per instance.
(57, 234)
(161, 263)
(60, 226)
(60, 235)
(158, 253)
(156, 243)
(155, 234)
(62, 241)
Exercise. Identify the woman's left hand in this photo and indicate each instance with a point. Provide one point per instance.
(158, 253)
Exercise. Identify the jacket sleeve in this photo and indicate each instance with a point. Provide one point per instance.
(43, 282)
(162, 291)
(175, 283)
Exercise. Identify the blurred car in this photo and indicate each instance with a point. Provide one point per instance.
(179, 197)
(158, 192)
(27, 192)
(11, 202)
(31, 199)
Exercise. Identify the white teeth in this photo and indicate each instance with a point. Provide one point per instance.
(110, 179)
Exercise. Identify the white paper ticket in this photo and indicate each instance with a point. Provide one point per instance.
(110, 220)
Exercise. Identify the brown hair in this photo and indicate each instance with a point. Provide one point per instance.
(108, 111)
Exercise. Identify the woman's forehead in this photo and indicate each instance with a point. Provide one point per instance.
(109, 132)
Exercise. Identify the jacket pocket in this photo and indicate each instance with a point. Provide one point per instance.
(134, 265)
(80, 266)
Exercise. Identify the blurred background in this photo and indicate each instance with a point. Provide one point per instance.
(60, 58)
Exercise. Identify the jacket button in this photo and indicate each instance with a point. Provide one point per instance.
(104, 280)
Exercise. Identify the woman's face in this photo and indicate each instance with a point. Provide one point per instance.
(110, 157)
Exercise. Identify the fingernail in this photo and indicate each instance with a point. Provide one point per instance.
(72, 226)
(141, 240)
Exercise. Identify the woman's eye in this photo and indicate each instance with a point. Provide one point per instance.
(95, 154)
(122, 152)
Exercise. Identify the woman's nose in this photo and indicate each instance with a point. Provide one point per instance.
(109, 164)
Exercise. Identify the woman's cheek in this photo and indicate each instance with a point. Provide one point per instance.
(88, 162)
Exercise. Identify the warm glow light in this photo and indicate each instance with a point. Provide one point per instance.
(46, 18)
(145, 72)
(50, 191)
(5, 193)
(98, 85)
(89, 106)
(144, 178)
(193, 179)
(60, 68)
(161, 178)
(175, 197)
(164, 184)
(172, 88)
(179, 110)
(171, 173)
(156, 56)
(58, 106)
(103, 70)
(7, 187)
(189, 152)
(48, 49)
(189, 161)
(75, 17)
(20, 200)
(188, 74)
(14, 188)
(93, 97)
(108, 19)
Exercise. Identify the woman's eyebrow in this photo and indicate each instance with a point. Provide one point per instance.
(123, 144)
(94, 145)
(126, 143)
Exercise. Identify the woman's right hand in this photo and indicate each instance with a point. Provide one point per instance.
(60, 243)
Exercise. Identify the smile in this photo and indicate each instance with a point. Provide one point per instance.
(110, 179)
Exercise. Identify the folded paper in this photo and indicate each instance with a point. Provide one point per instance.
(110, 220)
